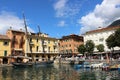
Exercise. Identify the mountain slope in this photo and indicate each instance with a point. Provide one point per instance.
(115, 23)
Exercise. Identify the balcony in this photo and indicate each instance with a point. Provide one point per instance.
(31, 43)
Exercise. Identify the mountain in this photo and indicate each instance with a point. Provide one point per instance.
(115, 23)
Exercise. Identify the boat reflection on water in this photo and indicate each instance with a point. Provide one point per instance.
(55, 72)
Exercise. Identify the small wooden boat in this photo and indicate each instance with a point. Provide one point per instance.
(15, 64)
(114, 67)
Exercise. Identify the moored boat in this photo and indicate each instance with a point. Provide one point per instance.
(15, 64)
(105, 67)
(114, 67)
(86, 65)
(30, 64)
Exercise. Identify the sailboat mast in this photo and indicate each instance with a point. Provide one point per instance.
(26, 34)
(39, 29)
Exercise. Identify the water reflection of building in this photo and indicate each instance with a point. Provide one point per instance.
(4, 49)
(69, 44)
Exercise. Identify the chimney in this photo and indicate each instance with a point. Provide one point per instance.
(99, 27)
(10, 28)
(20, 29)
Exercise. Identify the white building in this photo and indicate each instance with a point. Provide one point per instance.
(99, 36)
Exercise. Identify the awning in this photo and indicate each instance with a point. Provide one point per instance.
(79, 54)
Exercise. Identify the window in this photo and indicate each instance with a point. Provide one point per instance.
(30, 39)
(101, 39)
(5, 43)
(37, 40)
(49, 41)
(69, 45)
(5, 53)
(37, 48)
(48, 49)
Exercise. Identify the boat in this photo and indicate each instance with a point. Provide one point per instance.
(115, 67)
(25, 62)
(96, 65)
(31, 64)
(78, 66)
(86, 65)
(105, 67)
(119, 68)
(21, 64)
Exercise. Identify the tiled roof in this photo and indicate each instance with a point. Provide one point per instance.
(72, 36)
(4, 37)
(103, 29)
(18, 31)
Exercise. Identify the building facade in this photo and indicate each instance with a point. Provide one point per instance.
(99, 36)
(37, 46)
(70, 43)
(41, 47)
(17, 43)
(4, 49)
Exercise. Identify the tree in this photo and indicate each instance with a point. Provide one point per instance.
(100, 47)
(111, 42)
(81, 49)
(117, 37)
(90, 46)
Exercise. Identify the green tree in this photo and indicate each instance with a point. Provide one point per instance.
(90, 46)
(117, 37)
(111, 41)
(81, 49)
(100, 47)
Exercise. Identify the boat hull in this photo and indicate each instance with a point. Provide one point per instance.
(22, 65)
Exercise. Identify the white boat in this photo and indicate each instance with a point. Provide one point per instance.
(86, 65)
(96, 65)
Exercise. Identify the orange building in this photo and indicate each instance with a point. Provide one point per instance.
(17, 42)
(69, 44)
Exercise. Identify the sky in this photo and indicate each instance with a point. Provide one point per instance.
(58, 17)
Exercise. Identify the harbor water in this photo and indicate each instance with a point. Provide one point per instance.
(56, 72)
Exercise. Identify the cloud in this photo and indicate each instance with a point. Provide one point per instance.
(62, 24)
(66, 8)
(9, 19)
(102, 15)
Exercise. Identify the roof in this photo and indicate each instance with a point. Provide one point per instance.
(17, 31)
(72, 36)
(103, 29)
(4, 37)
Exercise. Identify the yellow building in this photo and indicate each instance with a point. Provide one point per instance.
(33, 46)
(41, 47)
(4, 49)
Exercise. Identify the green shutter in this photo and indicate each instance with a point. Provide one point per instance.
(5, 53)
